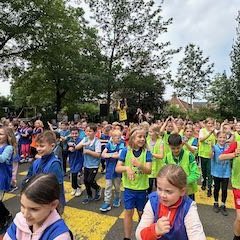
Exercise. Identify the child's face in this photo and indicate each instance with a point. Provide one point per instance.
(176, 150)
(44, 148)
(237, 127)
(34, 213)
(90, 133)
(74, 134)
(168, 193)
(221, 139)
(169, 127)
(116, 138)
(3, 136)
(188, 132)
(139, 139)
(151, 133)
(209, 124)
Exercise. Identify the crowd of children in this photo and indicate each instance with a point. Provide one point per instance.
(168, 156)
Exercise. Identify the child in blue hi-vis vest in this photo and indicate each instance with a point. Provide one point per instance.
(170, 214)
(75, 158)
(111, 154)
(39, 217)
(48, 163)
(92, 154)
(8, 147)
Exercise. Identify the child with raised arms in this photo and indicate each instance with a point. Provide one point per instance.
(39, 218)
(170, 214)
(135, 164)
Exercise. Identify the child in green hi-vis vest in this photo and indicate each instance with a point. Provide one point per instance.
(186, 160)
(155, 145)
(206, 141)
(189, 141)
(166, 129)
(135, 163)
(237, 132)
(233, 152)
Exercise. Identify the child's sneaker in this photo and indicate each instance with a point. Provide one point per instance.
(105, 207)
(98, 194)
(87, 200)
(13, 188)
(216, 208)
(73, 192)
(116, 202)
(223, 210)
(78, 192)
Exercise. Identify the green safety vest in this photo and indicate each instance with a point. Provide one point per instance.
(167, 149)
(235, 178)
(184, 163)
(157, 163)
(236, 137)
(205, 147)
(140, 181)
(190, 142)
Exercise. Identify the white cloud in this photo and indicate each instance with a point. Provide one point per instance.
(210, 24)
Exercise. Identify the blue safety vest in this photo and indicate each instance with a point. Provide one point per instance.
(178, 230)
(5, 172)
(51, 232)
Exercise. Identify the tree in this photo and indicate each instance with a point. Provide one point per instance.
(61, 72)
(235, 68)
(129, 33)
(221, 95)
(142, 91)
(193, 74)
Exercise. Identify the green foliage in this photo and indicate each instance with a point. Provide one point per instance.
(89, 108)
(172, 110)
(193, 75)
(235, 78)
(221, 94)
(144, 91)
(129, 34)
(60, 70)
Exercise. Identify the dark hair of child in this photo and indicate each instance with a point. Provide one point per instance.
(57, 135)
(175, 140)
(174, 174)
(93, 127)
(42, 189)
(46, 136)
(74, 129)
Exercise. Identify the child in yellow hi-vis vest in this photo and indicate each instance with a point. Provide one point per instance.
(206, 141)
(135, 165)
(155, 145)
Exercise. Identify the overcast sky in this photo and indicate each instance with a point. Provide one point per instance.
(208, 23)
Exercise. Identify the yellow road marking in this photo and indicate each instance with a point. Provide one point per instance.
(87, 224)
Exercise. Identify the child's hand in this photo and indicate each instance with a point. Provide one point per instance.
(86, 151)
(130, 173)
(237, 152)
(71, 149)
(162, 226)
(86, 143)
(135, 162)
